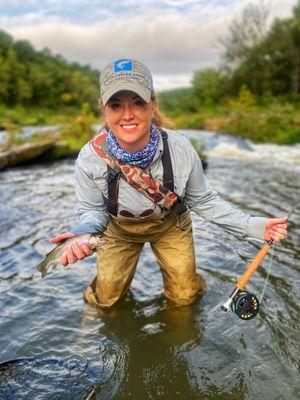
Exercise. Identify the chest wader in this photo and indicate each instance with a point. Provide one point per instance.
(173, 247)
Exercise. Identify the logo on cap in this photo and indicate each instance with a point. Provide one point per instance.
(123, 65)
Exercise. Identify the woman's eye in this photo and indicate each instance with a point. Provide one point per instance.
(140, 103)
(114, 106)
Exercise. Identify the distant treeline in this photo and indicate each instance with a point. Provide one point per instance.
(41, 79)
(264, 60)
(255, 92)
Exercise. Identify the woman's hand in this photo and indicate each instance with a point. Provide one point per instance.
(276, 229)
(74, 249)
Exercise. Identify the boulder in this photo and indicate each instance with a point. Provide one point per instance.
(21, 154)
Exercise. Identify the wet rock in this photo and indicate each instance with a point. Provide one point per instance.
(21, 154)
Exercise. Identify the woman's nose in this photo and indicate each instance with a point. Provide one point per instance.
(128, 112)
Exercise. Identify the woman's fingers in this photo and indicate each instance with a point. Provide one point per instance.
(71, 257)
(78, 251)
(64, 260)
(276, 229)
(87, 251)
(68, 257)
(284, 226)
(277, 236)
(279, 230)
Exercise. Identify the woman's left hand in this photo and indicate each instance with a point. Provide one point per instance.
(276, 229)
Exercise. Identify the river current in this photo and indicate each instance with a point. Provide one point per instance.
(54, 346)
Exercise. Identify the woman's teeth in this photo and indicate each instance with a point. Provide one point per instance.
(128, 126)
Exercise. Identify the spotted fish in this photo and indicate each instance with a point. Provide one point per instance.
(52, 259)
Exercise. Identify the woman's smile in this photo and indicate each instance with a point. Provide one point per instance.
(129, 128)
(129, 117)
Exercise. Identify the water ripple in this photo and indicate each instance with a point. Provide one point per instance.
(143, 348)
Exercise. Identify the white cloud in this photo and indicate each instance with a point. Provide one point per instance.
(173, 44)
(19, 3)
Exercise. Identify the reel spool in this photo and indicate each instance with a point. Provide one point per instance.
(245, 305)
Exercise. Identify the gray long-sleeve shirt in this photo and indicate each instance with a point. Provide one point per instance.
(190, 184)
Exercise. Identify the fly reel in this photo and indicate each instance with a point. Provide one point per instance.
(245, 305)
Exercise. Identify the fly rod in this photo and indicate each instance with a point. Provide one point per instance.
(242, 303)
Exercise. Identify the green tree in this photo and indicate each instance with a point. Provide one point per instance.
(208, 85)
(39, 78)
(245, 33)
(13, 78)
(295, 39)
(6, 42)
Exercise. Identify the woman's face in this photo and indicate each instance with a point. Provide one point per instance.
(129, 117)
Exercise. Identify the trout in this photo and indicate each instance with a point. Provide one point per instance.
(52, 259)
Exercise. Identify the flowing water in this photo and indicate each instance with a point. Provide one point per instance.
(54, 346)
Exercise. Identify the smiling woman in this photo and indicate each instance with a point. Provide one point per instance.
(162, 181)
(129, 117)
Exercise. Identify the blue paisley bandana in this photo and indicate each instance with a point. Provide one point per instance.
(142, 158)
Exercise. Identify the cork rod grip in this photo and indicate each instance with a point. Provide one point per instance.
(255, 263)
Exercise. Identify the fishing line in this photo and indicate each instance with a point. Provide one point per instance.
(268, 274)
(242, 303)
(294, 207)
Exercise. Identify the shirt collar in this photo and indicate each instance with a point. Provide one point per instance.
(160, 147)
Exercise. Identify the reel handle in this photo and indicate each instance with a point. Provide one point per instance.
(241, 283)
(255, 263)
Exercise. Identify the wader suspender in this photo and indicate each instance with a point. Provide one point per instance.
(168, 180)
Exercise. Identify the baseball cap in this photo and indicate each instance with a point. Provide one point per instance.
(125, 74)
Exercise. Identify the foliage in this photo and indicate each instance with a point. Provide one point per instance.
(38, 78)
(177, 101)
(79, 131)
(267, 61)
(256, 91)
(209, 85)
(275, 122)
(245, 34)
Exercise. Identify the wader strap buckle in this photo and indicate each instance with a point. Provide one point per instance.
(179, 207)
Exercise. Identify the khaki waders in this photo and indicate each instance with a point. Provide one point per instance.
(171, 240)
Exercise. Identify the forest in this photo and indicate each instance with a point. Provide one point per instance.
(254, 92)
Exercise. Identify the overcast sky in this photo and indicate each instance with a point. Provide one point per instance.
(172, 37)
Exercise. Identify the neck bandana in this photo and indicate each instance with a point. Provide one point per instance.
(142, 158)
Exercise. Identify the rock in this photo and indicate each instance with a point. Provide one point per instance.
(21, 154)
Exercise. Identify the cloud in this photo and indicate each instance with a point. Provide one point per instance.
(174, 42)
(167, 41)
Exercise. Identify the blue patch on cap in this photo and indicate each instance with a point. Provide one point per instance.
(123, 65)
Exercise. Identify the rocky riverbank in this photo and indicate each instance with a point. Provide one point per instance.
(31, 152)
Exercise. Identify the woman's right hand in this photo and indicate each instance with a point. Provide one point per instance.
(74, 249)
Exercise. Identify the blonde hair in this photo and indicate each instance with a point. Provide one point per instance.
(158, 118)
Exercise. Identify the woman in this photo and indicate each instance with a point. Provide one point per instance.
(129, 215)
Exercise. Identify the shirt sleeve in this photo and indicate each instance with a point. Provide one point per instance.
(203, 200)
(91, 207)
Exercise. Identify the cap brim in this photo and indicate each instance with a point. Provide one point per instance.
(143, 92)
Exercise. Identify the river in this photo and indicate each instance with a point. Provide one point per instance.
(58, 347)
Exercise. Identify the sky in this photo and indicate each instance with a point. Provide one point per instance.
(173, 38)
